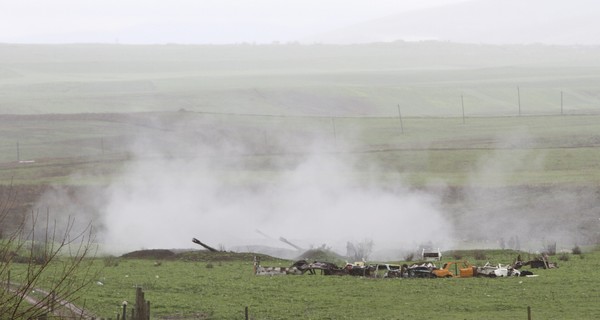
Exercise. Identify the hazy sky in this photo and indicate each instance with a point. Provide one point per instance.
(187, 21)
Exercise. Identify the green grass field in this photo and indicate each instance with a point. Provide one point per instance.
(205, 287)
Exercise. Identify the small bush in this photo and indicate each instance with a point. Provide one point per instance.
(209, 266)
(39, 254)
(409, 256)
(111, 261)
(551, 249)
(563, 256)
(576, 250)
(479, 255)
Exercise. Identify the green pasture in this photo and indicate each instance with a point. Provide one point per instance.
(535, 150)
(198, 286)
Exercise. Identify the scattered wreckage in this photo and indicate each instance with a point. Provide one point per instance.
(540, 262)
(462, 269)
(426, 269)
(451, 269)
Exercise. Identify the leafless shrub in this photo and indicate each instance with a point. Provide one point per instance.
(576, 250)
(563, 256)
(479, 255)
(361, 250)
(22, 244)
(551, 249)
(111, 261)
(409, 256)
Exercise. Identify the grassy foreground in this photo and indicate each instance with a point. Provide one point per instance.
(220, 287)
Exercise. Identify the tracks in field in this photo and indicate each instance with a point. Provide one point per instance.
(59, 307)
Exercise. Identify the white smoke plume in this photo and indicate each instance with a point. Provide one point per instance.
(163, 203)
(237, 189)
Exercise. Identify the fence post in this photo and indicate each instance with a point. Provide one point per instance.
(147, 310)
(139, 303)
(246, 312)
(528, 313)
(124, 310)
(142, 307)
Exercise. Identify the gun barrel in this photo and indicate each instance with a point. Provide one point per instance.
(209, 248)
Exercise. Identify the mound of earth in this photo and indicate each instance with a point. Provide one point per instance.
(159, 254)
(205, 255)
(195, 255)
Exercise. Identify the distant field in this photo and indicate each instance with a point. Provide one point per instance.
(560, 149)
(425, 79)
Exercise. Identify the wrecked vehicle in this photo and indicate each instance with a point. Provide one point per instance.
(461, 269)
(297, 268)
(386, 270)
(328, 268)
(498, 270)
(358, 269)
(428, 254)
(538, 263)
(423, 270)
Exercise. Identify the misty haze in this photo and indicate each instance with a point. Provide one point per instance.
(284, 129)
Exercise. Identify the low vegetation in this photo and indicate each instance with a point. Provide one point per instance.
(184, 287)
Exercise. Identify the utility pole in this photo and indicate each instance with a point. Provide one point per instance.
(400, 117)
(519, 99)
(462, 102)
(334, 132)
(561, 103)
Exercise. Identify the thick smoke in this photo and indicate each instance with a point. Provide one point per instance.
(237, 190)
(220, 186)
(163, 203)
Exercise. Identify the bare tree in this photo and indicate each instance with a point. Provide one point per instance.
(361, 250)
(44, 274)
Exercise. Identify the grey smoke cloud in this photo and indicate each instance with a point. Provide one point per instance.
(163, 203)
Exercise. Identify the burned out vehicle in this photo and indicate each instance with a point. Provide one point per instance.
(462, 269)
(423, 270)
(385, 270)
(499, 270)
(540, 262)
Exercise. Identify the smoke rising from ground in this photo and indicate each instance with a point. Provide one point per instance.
(236, 189)
(163, 203)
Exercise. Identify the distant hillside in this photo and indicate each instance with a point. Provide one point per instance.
(483, 21)
(426, 78)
